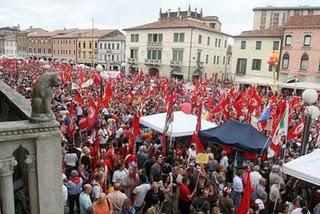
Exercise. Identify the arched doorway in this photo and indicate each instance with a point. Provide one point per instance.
(153, 71)
(177, 74)
(115, 68)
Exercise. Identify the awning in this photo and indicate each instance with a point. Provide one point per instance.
(305, 167)
(182, 125)
(301, 85)
(251, 80)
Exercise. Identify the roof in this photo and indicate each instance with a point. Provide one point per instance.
(261, 33)
(32, 30)
(52, 33)
(176, 23)
(298, 21)
(96, 33)
(115, 35)
(288, 8)
(73, 34)
(9, 28)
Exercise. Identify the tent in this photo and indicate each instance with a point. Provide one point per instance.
(305, 167)
(237, 135)
(182, 125)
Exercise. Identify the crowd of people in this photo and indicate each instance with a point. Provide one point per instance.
(113, 165)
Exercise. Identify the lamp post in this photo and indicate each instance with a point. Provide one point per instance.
(273, 61)
(99, 69)
(309, 96)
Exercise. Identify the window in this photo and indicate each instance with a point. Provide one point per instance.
(118, 46)
(307, 40)
(275, 20)
(39, 50)
(218, 57)
(319, 67)
(154, 37)
(275, 45)
(207, 59)
(256, 64)
(263, 20)
(44, 51)
(243, 45)
(134, 37)
(79, 44)
(288, 40)
(178, 37)
(134, 53)
(241, 66)
(58, 51)
(69, 52)
(224, 60)
(304, 62)
(84, 54)
(90, 45)
(258, 45)
(154, 54)
(105, 57)
(84, 45)
(214, 59)
(100, 45)
(95, 45)
(49, 51)
(216, 42)
(225, 43)
(112, 45)
(285, 61)
(219, 45)
(200, 39)
(109, 45)
(177, 55)
(208, 41)
(105, 45)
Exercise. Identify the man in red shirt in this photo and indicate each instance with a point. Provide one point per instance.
(185, 196)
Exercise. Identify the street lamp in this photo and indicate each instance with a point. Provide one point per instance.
(99, 70)
(309, 96)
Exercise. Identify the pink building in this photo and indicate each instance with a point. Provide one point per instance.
(300, 55)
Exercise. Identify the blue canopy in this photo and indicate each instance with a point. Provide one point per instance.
(237, 135)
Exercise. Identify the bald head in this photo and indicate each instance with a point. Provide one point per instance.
(87, 188)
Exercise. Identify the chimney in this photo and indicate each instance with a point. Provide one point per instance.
(169, 13)
(30, 27)
(201, 14)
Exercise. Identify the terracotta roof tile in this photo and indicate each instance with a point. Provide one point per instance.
(176, 23)
(96, 33)
(262, 33)
(298, 21)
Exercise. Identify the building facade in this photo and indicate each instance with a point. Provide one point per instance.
(112, 49)
(65, 46)
(273, 17)
(10, 46)
(1, 45)
(22, 40)
(88, 46)
(40, 43)
(251, 50)
(300, 56)
(6, 31)
(181, 44)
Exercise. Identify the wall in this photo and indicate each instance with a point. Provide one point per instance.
(64, 48)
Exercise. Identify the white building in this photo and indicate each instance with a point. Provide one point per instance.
(10, 46)
(251, 50)
(183, 44)
(112, 50)
(273, 17)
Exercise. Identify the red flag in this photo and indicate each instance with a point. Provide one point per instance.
(295, 131)
(83, 124)
(246, 197)
(97, 78)
(136, 125)
(196, 140)
(79, 99)
(92, 113)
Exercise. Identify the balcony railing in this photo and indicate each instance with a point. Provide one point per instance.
(132, 60)
(154, 44)
(175, 63)
(152, 61)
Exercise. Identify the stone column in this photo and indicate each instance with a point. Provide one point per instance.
(6, 184)
(33, 183)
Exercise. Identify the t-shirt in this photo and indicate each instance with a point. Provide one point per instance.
(140, 192)
(101, 208)
(184, 192)
(153, 198)
(70, 159)
(119, 176)
(84, 202)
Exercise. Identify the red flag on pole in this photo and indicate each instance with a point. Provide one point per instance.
(246, 197)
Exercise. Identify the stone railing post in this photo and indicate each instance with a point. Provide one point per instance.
(6, 184)
(33, 183)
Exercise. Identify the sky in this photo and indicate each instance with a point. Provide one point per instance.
(235, 15)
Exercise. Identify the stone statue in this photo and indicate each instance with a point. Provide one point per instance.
(42, 96)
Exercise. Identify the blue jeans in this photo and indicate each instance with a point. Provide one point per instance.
(236, 197)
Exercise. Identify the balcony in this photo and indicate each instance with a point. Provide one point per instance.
(132, 60)
(154, 44)
(151, 62)
(174, 63)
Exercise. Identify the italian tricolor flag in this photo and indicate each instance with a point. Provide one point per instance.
(281, 131)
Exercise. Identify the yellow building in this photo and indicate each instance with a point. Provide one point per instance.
(88, 46)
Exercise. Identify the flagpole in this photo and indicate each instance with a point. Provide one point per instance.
(171, 128)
